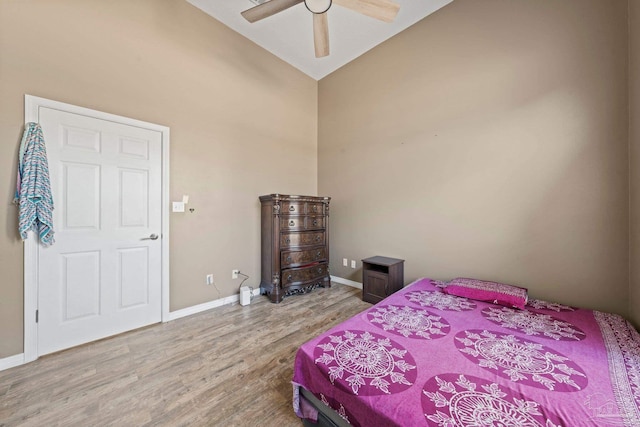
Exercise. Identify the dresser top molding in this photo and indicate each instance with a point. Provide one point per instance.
(277, 197)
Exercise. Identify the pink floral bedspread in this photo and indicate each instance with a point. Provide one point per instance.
(424, 358)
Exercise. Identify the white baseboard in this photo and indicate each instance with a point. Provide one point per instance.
(194, 309)
(346, 282)
(11, 361)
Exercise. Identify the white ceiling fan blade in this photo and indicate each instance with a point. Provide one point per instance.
(321, 34)
(268, 9)
(384, 10)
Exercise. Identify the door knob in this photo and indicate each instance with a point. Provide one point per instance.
(154, 236)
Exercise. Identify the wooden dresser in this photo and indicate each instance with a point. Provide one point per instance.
(295, 244)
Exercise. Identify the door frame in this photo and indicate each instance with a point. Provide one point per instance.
(32, 105)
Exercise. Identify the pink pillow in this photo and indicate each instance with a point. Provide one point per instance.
(497, 293)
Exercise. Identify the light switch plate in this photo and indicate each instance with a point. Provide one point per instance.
(178, 206)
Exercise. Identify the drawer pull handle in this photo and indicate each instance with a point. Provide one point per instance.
(289, 277)
(288, 240)
(292, 223)
(320, 270)
(288, 259)
(318, 254)
(292, 208)
(315, 208)
(317, 238)
(315, 222)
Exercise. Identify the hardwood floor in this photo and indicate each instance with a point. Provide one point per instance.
(230, 366)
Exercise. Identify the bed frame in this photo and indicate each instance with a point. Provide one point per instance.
(327, 417)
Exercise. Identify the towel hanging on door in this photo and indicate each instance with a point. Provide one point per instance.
(33, 190)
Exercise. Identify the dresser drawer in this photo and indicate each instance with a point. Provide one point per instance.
(288, 240)
(302, 222)
(314, 222)
(292, 223)
(315, 208)
(304, 274)
(296, 258)
(293, 208)
(302, 208)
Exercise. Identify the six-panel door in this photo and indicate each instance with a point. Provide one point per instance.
(103, 274)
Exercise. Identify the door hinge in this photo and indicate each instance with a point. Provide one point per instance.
(36, 316)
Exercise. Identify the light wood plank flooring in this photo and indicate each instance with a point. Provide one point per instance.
(230, 366)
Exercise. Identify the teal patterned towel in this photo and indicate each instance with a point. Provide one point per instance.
(33, 191)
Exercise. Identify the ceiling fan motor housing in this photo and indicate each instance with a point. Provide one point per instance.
(317, 6)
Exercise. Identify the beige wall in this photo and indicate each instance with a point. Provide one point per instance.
(243, 123)
(634, 157)
(489, 140)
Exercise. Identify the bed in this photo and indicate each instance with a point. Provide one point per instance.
(422, 357)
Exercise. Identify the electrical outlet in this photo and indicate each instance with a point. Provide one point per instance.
(234, 274)
(209, 279)
(345, 262)
(353, 263)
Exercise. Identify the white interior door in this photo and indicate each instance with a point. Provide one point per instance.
(102, 276)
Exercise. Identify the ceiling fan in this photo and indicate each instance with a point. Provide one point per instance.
(384, 10)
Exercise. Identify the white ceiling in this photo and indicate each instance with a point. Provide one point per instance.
(289, 34)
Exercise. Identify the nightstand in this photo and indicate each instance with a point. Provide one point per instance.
(381, 276)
